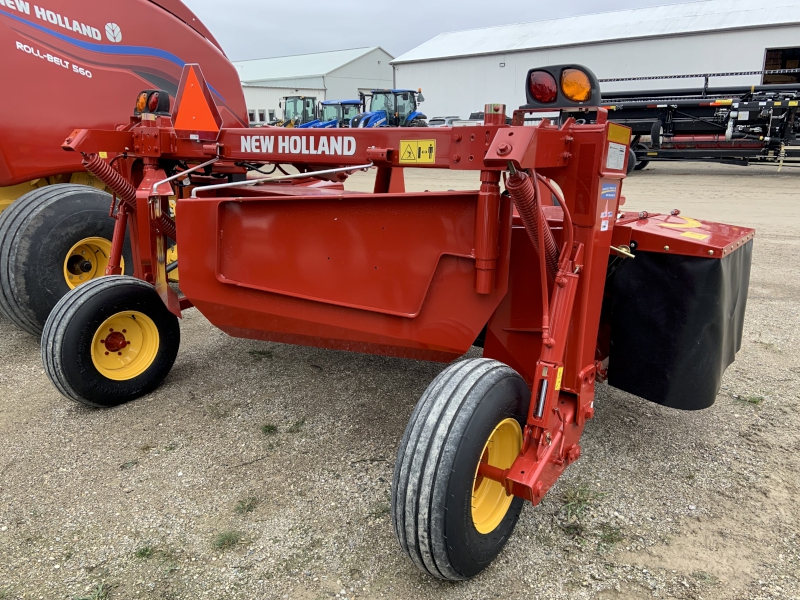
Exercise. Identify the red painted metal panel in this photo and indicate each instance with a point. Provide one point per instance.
(390, 273)
(679, 234)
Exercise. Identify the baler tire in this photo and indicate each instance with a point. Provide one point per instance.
(70, 341)
(36, 235)
(435, 475)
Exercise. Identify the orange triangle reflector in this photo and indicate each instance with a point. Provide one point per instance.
(196, 114)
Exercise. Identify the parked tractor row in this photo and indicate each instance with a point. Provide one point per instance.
(387, 108)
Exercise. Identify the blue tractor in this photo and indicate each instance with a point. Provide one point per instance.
(335, 113)
(392, 108)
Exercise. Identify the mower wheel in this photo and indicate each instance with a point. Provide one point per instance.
(53, 239)
(110, 341)
(450, 520)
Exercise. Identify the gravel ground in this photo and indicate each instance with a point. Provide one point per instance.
(263, 470)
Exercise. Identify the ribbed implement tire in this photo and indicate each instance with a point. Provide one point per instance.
(36, 234)
(70, 329)
(436, 465)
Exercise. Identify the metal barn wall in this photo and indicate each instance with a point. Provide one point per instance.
(458, 86)
(371, 71)
(267, 98)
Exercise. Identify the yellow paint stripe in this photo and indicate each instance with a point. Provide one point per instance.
(689, 224)
(694, 236)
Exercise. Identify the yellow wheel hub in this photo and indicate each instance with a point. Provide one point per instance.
(490, 503)
(125, 346)
(87, 260)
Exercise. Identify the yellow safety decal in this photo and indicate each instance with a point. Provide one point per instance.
(776, 103)
(792, 102)
(619, 134)
(652, 154)
(694, 236)
(103, 155)
(558, 378)
(689, 224)
(419, 152)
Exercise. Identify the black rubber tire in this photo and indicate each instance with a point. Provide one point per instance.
(435, 469)
(656, 132)
(641, 164)
(631, 161)
(36, 233)
(70, 329)
(418, 123)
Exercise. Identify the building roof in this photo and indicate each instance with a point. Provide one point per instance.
(299, 65)
(656, 21)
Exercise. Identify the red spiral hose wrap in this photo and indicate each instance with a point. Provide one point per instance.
(123, 189)
(167, 227)
(521, 188)
(113, 180)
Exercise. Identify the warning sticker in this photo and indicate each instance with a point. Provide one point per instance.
(694, 236)
(420, 152)
(616, 156)
(558, 378)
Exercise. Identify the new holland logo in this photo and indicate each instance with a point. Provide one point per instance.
(113, 33)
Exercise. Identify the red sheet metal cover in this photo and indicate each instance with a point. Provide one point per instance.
(387, 273)
(679, 234)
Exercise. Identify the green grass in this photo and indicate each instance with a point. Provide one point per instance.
(706, 578)
(259, 355)
(755, 400)
(145, 551)
(380, 509)
(610, 536)
(297, 426)
(101, 592)
(247, 505)
(5, 594)
(576, 500)
(269, 429)
(226, 540)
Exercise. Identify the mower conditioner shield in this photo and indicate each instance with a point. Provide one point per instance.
(677, 324)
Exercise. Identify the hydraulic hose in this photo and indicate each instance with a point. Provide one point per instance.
(124, 190)
(522, 191)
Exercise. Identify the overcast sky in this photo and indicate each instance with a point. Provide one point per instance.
(258, 29)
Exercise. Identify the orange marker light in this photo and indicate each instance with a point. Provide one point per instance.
(141, 103)
(576, 85)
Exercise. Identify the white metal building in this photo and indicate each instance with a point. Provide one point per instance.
(336, 75)
(461, 71)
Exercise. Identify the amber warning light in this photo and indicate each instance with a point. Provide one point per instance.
(154, 102)
(562, 87)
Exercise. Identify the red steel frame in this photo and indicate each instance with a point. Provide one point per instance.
(445, 263)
